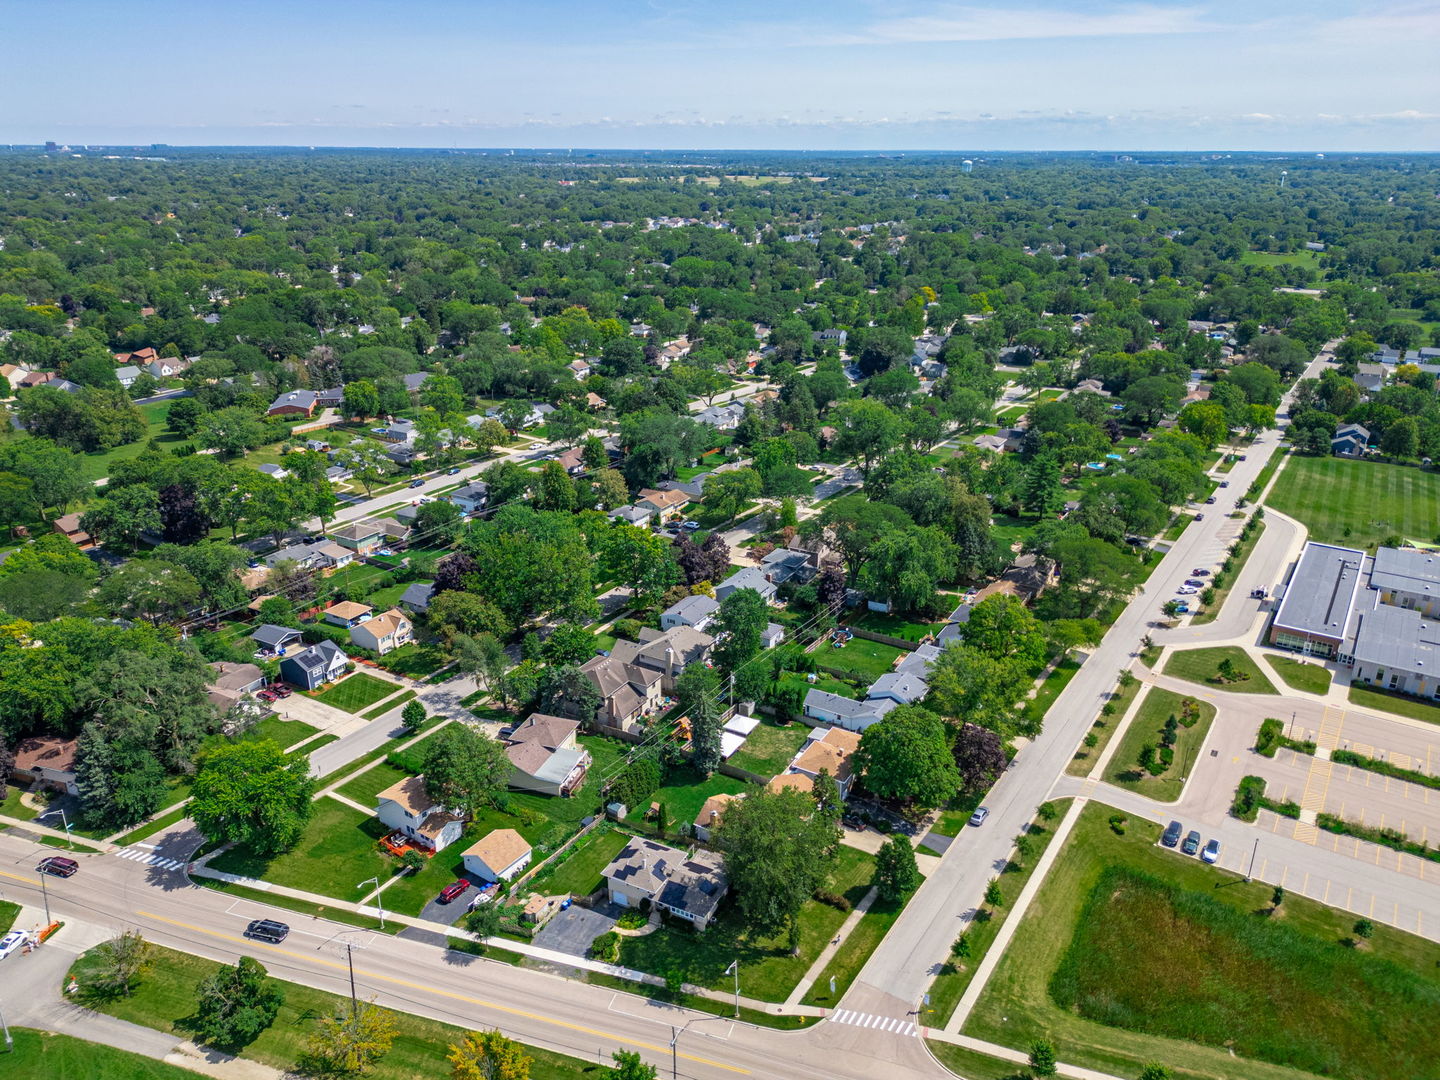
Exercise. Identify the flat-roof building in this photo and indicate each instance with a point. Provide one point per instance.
(1314, 615)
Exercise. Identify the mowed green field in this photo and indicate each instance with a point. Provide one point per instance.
(1358, 503)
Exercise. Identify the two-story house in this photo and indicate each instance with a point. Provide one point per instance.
(383, 633)
(545, 755)
(313, 667)
(667, 652)
(408, 808)
(627, 692)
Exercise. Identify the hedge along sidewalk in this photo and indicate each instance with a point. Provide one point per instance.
(549, 956)
(986, 967)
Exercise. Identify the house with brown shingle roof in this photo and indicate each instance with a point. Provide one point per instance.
(497, 856)
(710, 813)
(407, 808)
(68, 526)
(663, 502)
(384, 633)
(47, 761)
(545, 755)
(830, 749)
(627, 692)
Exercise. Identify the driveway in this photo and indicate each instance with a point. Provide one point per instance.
(443, 914)
(572, 930)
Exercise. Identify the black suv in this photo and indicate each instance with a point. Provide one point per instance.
(267, 930)
(1192, 842)
(1172, 834)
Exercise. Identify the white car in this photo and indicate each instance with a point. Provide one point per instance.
(14, 941)
(1185, 590)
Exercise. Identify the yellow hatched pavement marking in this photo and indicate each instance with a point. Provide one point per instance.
(1317, 782)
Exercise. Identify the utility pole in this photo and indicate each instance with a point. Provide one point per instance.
(1251, 872)
(350, 959)
(674, 1054)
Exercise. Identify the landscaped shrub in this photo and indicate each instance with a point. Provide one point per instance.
(1268, 739)
(1248, 798)
(632, 920)
(835, 900)
(1117, 824)
(629, 629)
(606, 947)
(634, 785)
(408, 760)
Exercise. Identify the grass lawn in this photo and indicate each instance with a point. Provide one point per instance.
(1270, 995)
(1178, 526)
(580, 872)
(386, 598)
(1103, 728)
(275, 727)
(13, 807)
(415, 660)
(1056, 681)
(685, 791)
(822, 682)
(852, 954)
(44, 1053)
(605, 754)
(956, 973)
(1146, 728)
(896, 626)
(1008, 529)
(357, 692)
(304, 907)
(767, 970)
(1370, 697)
(336, 852)
(1201, 665)
(1358, 503)
(8, 913)
(371, 782)
(1312, 678)
(867, 660)
(394, 703)
(972, 1064)
(166, 997)
(769, 748)
(1290, 258)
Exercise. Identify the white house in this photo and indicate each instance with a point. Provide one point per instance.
(385, 632)
(407, 807)
(852, 715)
(470, 498)
(497, 856)
(696, 611)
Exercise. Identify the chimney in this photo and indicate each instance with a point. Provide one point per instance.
(669, 661)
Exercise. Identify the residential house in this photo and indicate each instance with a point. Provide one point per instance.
(140, 356)
(780, 566)
(400, 431)
(45, 762)
(919, 662)
(581, 368)
(303, 555)
(697, 611)
(35, 378)
(293, 403)
(710, 813)
(572, 460)
(127, 375)
(497, 856)
(628, 692)
(632, 514)
(668, 652)
(314, 667)
(231, 683)
(830, 749)
(829, 337)
(772, 635)
(364, 537)
(347, 613)
(166, 367)
(1370, 378)
(416, 597)
(383, 633)
(415, 380)
(901, 689)
(663, 502)
(594, 401)
(852, 715)
(721, 417)
(471, 498)
(273, 640)
(688, 887)
(990, 442)
(68, 526)
(751, 577)
(275, 472)
(329, 398)
(408, 808)
(545, 755)
(1350, 440)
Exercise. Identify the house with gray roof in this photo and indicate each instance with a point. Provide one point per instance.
(1314, 615)
(1350, 440)
(696, 611)
(416, 597)
(545, 756)
(321, 663)
(687, 886)
(901, 689)
(472, 497)
(668, 652)
(721, 417)
(293, 403)
(274, 639)
(632, 514)
(127, 375)
(827, 708)
(919, 662)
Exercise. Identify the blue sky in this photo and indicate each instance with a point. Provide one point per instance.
(846, 74)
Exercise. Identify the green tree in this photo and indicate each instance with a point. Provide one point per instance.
(413, 714)
(993, 896)
(483, 920)
(234, 1005)
(350, 1041)
(640, 559)
(1155, 1071)
(628, 1066)
(777, 853)
(439, 522)
(907, 756)
(152, 590)
(727, 493)
(465, 770)
(706, 728)
(896, 872)
(124, 516)
(482, 656)
(1401, 439)
(361, 400)
(906, 566)
(1042, 1058)
(488, 1055)
(554, 490)
(253, 794)
(118, 964)
(229, 431)
(867, 430)
(738, 628)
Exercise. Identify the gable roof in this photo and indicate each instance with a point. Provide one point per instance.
(348, 609)
(418, 594)
(46, 752)
(906, 687)
(848, 707)
(499, 848)
(411, 794)
(832, 752)
(385, 624)
(693, 609)
(272, 635)
(320, 656)
(714, 806)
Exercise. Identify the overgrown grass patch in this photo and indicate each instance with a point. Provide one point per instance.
(1150, 956)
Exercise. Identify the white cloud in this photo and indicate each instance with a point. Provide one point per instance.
(955, 24)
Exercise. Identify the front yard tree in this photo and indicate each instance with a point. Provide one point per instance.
(440, 522)
(907, 756)
(465, 771)
(413, 714)
(234, 1005)
(488, 1055)
(640, 559)
(738, 627)
(727, 493)
(867, 431)
(567, 691)
(350, 1040)
(484, 921)
(980, 756)
(119, 963)
(628, 1066)
(1155, 1071)
(896, 873)
(707, 725)
(778, 851)
(1042, 1058)
(253, 794)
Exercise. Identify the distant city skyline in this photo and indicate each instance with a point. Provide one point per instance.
(682, 74)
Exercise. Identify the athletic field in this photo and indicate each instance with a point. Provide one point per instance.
(1359, 503)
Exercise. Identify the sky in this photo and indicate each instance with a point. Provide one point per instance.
(1324, 75)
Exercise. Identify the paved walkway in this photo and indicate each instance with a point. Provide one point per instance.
(836, 944)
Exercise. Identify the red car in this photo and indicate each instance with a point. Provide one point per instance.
(281, 690)
(454, 889)
(266, 695)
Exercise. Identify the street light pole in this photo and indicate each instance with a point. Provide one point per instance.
(45, 895)
(1251, 872)
(378, 903)
(734, 969)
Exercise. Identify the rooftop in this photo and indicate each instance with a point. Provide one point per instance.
(499, 848)
(1321, 591)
